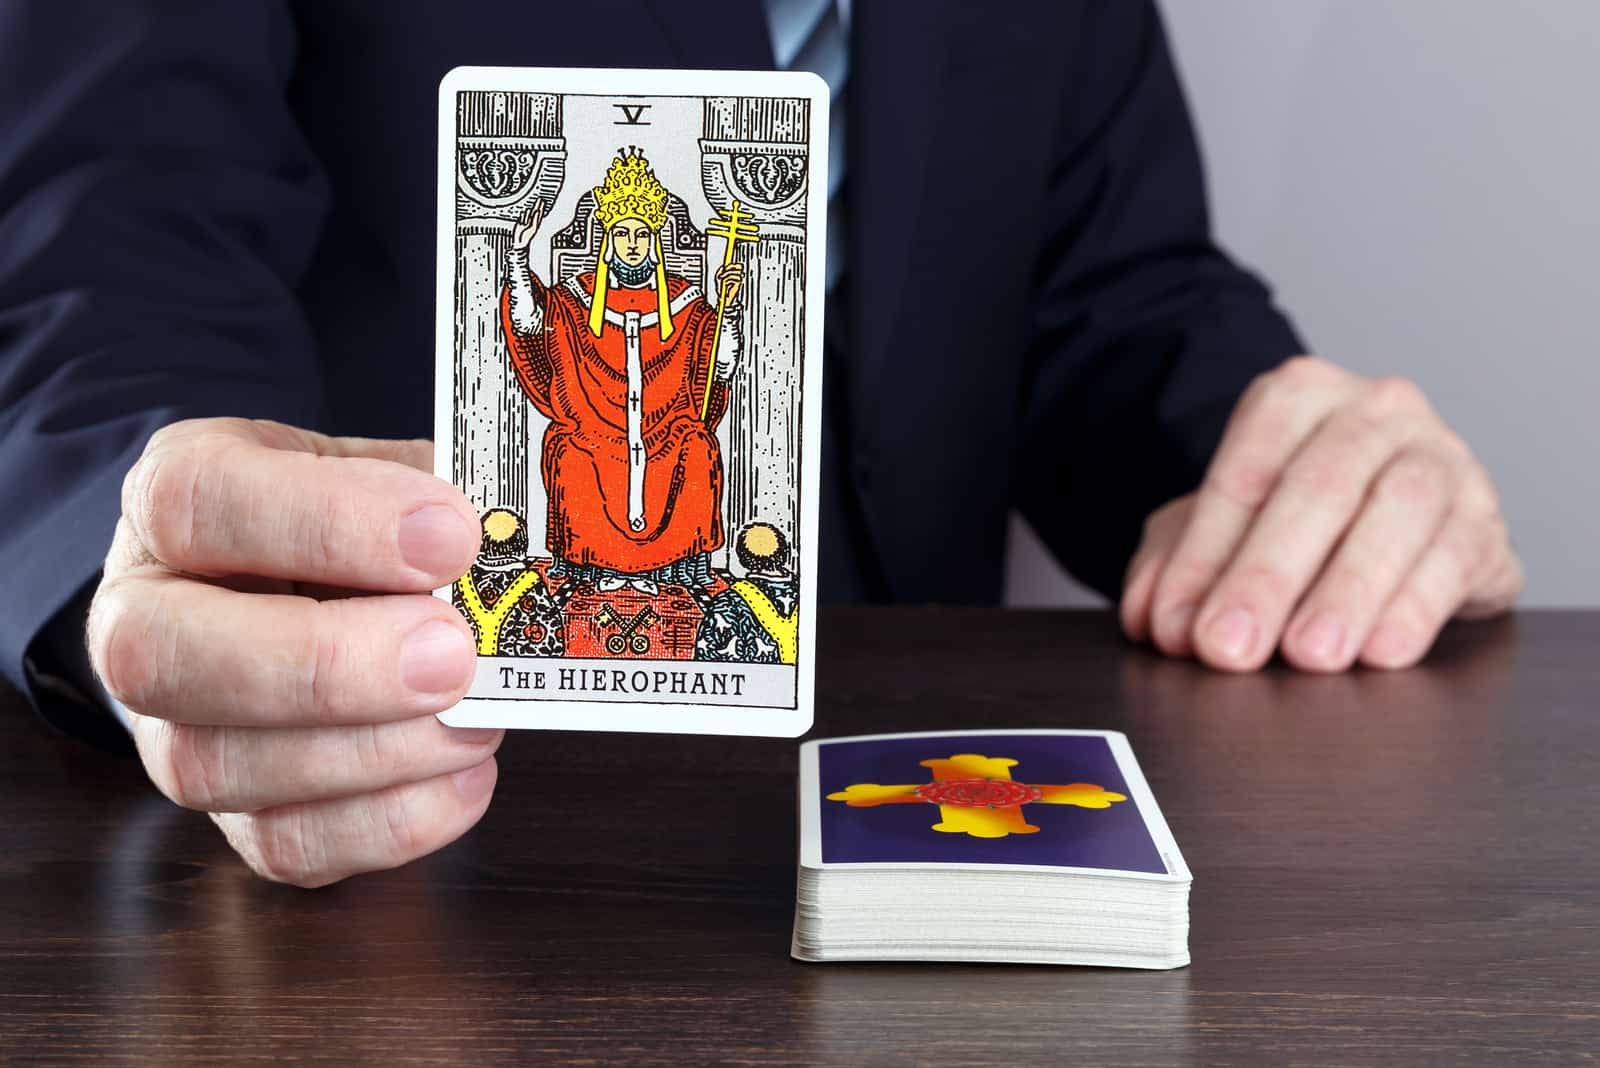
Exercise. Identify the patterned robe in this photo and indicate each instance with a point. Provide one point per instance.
(532, 625)
(629, 505)
(732, 629)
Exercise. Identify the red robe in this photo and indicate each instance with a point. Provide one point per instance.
(579, 382)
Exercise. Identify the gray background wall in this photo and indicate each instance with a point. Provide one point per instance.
(1420, 180)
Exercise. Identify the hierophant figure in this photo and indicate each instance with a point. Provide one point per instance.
(627, 363)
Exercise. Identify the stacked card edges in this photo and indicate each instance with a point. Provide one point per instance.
(852, 906)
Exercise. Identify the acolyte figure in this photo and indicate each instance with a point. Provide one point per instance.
(630, 363)
(754, 620)
(505, 599)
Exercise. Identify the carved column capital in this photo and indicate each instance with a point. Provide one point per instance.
(497, 177)
(755, 152)
(509, 150)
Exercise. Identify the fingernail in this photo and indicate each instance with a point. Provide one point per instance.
(474, 735)
(1322, 639)
(1233, 633)
(473, 783)
(436, 657)
(431, 538)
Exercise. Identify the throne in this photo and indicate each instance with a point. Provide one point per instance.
(576, 247)
(626, 624)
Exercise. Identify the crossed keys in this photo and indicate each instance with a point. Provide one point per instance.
(733, 226)
(627, 636)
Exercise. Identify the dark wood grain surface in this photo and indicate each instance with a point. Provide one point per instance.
(1389, 868)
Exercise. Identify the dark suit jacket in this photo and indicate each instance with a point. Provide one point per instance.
(227, 208)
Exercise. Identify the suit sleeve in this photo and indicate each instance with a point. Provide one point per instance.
(1144, 332)
(157, 206)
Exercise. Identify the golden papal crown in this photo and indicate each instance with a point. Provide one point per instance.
(631, 191)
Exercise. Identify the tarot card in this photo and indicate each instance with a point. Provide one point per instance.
(1067, 800)
(629, 331)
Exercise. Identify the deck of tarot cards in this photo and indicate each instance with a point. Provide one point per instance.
(1038, 847)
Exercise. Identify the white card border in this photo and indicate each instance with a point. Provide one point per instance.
(1127, 764)
(647, 716)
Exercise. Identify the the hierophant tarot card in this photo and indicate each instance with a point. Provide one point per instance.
(630, 292)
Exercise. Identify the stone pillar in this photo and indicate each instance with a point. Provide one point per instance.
(755, 151)
(509, 150)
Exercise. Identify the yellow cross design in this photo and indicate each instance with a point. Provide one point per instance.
(977, 796)
(734, 226)
(783, 629)
(488, 621)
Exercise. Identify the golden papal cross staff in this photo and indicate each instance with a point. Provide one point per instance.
(734, 226)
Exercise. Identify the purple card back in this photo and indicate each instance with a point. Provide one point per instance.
(1045, 799)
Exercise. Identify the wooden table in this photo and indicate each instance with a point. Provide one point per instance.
(1394, 868)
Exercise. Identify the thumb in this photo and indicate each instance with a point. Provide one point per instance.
(278, 501)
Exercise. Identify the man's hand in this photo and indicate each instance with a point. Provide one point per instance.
(527, 224)
(728, 280)
(1341, 519)
(265, 615)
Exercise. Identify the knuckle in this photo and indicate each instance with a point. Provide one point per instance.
(283, 851)
(160, 496)
(1280, 385)
(1415, 480)
(127, 552)
(1185, 578)
(191, 766)
(1243, 482)
(323, 660)
(383, 751)
(402, 829)
(169, 433)
(325, 521)
(1324, 477)
(1396, 394)
(1358, 431)
(1304, 368)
